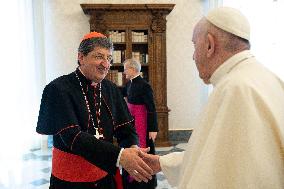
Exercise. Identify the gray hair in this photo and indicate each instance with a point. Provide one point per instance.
(133, 63)
(88, 45)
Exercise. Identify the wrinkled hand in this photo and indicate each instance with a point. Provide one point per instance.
(132, 162)
(152, 161)
(145, 150)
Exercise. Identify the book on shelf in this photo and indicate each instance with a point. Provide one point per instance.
(146, 58)
(116, 77)
(119, 79)
(117, 36)
(141, 57)
(139, 37)
(122, 56)
(116, 56)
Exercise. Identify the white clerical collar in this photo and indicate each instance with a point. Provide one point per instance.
(135, 77)
(228, 65)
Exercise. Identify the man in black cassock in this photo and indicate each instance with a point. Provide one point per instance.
(84, 112)
(140, 102)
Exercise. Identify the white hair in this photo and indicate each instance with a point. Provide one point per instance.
(133, 63)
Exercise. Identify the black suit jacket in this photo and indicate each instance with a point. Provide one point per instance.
(139, 91)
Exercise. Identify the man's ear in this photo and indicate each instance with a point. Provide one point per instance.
(210, 45)
(80, 57)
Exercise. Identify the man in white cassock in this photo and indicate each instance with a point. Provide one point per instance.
(239, 140)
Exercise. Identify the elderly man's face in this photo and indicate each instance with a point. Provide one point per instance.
(129, 71)
(200, 49)
(95, 64)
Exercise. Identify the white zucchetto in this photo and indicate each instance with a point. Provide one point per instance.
(230, 20)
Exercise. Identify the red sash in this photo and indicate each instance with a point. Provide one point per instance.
(74, 168)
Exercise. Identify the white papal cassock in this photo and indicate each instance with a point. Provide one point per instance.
(239, 141)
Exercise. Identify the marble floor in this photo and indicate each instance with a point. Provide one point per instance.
(32, 170)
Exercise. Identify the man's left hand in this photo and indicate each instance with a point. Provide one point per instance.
(131, 161)
(153, 135)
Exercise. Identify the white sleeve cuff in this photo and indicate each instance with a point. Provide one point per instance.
(118, 158)
(171, 165)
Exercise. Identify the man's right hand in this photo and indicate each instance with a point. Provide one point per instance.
(152, 161)
(131, 161)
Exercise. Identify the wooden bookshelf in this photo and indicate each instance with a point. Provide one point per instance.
(139, 31)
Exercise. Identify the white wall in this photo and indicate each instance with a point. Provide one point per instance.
(186, 92)
(65, 24)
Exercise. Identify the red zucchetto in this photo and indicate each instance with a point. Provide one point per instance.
(92, 35)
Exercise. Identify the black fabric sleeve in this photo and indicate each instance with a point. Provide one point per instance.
(100, 153)
(148, 98)
(56, 111)
(123, 91)
(126, 135)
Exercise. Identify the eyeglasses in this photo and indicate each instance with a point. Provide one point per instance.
(101, 57)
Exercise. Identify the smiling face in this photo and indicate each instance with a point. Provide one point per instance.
(95, 64)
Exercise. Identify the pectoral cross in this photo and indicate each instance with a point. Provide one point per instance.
(98, 135)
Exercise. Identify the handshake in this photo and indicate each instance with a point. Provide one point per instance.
(140, 165)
